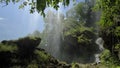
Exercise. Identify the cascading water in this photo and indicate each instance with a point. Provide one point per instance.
(53, 31)
(100, 43)
(69, 49)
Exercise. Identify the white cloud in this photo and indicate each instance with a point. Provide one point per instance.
(1, 18)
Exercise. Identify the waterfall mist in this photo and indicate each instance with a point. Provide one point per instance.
(53, 33)
(68, 48)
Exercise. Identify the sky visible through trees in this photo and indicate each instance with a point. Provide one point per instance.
(15, 22)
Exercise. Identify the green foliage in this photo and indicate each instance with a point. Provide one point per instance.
(77, 65)
(109, 60)
(83, 13)
(8, 1)
(10, 57)
(41, 56)
(33, 64)
(109, 28)
(75, 25)
(117, 31)
(21, 6)
(38, 5)
(41, 5)
(110, 10)
(105, 56)
(83, 39)
(5, 47)
(17, 51)
(117, 46)
(79, 33)
(74, 28)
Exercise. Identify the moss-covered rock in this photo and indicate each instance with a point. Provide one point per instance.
(13, 57)
(23, 53)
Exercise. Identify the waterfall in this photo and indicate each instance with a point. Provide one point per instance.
(100, 43)
(68, 49)
(53, 31)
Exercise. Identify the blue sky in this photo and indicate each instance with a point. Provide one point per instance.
(15, 23)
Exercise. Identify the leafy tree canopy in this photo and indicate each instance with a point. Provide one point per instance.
(110, 11)
(110, 27)
(38, 5)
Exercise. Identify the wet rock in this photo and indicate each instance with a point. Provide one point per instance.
(119, 54)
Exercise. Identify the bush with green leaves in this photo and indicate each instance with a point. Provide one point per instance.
(110, 25)
(108, 59)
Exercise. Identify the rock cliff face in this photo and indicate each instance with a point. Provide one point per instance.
(23, 53)
(79, 46)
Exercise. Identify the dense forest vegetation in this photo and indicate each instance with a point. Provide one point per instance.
(76, 33)
(110, 27)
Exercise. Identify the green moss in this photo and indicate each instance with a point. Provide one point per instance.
(83, 39)
(42, 56)
(77, 65)
(117, 31)
(33, 64)
(5, 47)
(117, 46)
